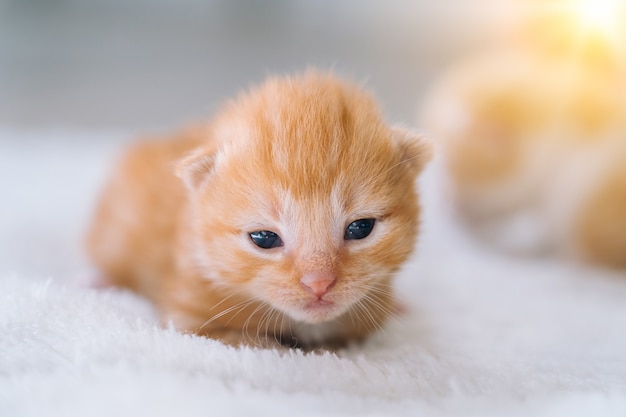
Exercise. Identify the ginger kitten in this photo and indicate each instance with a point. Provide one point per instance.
(281, 221)
(535, 148)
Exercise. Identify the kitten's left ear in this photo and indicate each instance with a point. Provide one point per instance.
(195, 168)
(415, 150)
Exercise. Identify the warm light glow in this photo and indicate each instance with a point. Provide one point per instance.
(601, 16)
(597, 13)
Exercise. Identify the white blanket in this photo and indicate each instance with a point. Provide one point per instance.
(484, 334)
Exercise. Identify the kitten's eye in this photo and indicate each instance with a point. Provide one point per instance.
(265, 239)
(359, 229)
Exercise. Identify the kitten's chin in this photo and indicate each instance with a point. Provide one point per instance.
(316, 312)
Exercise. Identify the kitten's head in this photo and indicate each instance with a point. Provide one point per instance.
(306, 200)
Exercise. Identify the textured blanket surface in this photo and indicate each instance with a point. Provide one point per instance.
(484, 334)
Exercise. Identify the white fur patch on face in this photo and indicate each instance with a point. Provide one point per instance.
(317, 317)
(309, 226)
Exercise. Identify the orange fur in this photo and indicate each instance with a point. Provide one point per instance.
(534, 148)
(601, 226)
(303, 157)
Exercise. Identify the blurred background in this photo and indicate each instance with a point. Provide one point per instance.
(79, 79)
(152, 64)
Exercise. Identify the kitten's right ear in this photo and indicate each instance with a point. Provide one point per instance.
(415, 150)
(195, 168)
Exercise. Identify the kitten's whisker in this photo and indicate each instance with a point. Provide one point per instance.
(369, 287)
(275, 317)
(216, 316)
(351, 316)
(227, 298)
(373, 324)
(289, 322)
(262, 324)
(380, 298)
(269, 321)
(241, 305)
(252, 301)
(282, 327)
(376, 303)
(387, 291)
(247, 322)
(365, 317)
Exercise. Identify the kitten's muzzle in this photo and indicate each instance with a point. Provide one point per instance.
(318, 283)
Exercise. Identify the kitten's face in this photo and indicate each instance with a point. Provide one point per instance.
(309, 204)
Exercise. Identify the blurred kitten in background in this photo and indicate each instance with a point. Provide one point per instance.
(534, 142)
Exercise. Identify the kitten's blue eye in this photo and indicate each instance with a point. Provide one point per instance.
(265, 239)
(359, 229)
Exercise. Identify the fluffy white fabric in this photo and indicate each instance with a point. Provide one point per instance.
(484, 334)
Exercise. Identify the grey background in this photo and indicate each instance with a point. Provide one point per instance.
(80, 79)
(141, 64)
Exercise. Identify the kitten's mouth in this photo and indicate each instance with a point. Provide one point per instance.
(320, 310)
(319, 304)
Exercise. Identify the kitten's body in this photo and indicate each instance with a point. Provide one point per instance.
(536, 148)
(301, 157)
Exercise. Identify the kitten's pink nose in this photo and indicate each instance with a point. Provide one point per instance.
(318, 283)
